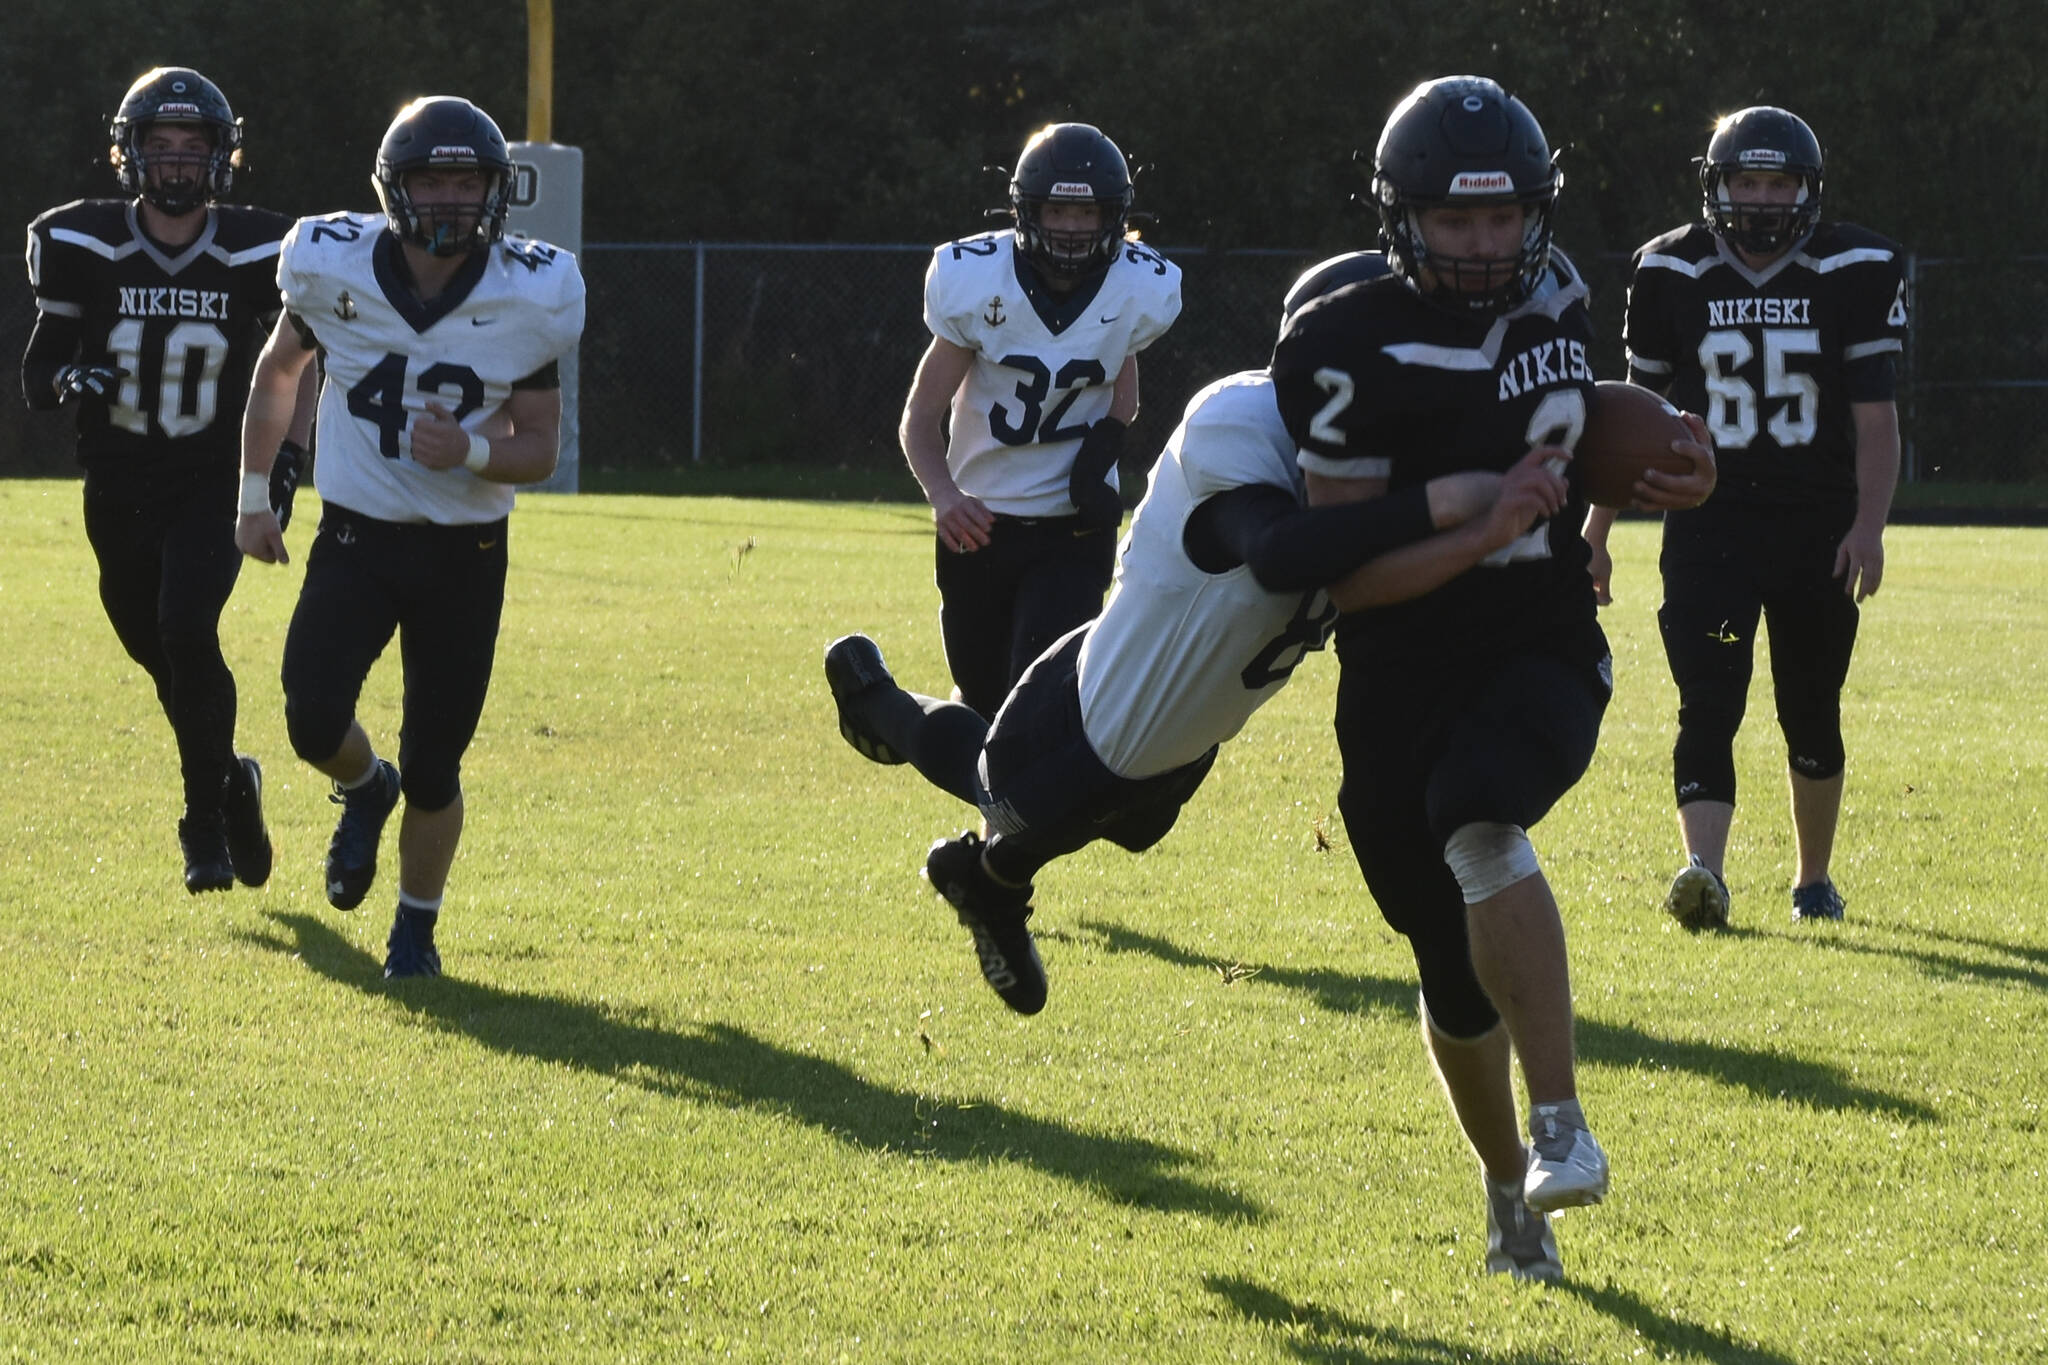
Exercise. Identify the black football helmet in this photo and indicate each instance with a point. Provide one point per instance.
(1327, 277)
(183, 181)
(1761, 138)
(444, 131)
(1070, 163)
(1462, 140)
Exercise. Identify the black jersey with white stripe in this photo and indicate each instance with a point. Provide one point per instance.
(185, 324)
(1772, 358)
(1375, 382)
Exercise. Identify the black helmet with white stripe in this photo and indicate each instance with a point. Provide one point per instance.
(1070, 163)
(1761, 138)
(444, 132)
(182, 181)
(1455, 142)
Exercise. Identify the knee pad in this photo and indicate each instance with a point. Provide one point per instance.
(1429, 1021)
(1454, 1004)
(316, 726)
(1813, 741)
(430, 786)
(1488, 858)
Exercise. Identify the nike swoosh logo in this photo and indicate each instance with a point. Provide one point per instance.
(485, 544)
(481, 322)
(1111, 318)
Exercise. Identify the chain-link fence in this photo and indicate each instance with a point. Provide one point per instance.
(734, 354)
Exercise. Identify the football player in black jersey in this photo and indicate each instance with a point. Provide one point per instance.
(1470, 704)
(149, 314)
(1785, 331)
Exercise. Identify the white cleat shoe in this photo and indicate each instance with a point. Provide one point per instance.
(1519, 1240)
(1567, 1169)
(1698, 898)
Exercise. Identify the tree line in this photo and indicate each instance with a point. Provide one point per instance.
(822, 121)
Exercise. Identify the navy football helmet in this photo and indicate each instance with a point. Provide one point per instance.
(1455, 142)
(1071, 163)
(1761, 138)
(444, 132)
(182, 181)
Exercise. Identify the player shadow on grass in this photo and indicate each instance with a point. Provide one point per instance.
(1945, 966)
(720, 1065)
(1768, 1075)
(1329, 1337)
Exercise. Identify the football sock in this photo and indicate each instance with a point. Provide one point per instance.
(419, 904)
(363, 781)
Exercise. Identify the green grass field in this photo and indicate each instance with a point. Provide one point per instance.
(712, 1076)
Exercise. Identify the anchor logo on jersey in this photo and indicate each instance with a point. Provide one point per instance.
(345, 307)
(994, 316)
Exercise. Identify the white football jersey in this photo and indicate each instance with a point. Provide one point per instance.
(1181, 658)
(516, 307)
(1037, 384)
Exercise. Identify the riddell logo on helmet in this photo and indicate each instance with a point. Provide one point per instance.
(1762, 156)
(1069, 189)
(454, 151)
(1483, 182)
(172, 108)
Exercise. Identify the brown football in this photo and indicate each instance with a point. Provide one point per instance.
(1628, 429)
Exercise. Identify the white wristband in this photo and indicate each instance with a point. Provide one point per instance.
(255, 494)
(479, 454)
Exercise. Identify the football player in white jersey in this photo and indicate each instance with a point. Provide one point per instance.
(1019, 407)
(441, 341)
(149, 312)
(1220, 593)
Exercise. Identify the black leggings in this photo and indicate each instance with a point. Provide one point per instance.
(168, 562)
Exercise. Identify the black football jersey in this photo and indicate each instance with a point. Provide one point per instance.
(186, 326)
(1771, 359)
(1376, 382)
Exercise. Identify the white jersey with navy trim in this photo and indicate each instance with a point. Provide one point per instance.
(1181, 658)
(509, 313)
(1037, 382)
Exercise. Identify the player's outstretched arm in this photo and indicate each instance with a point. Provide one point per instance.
(273, 398)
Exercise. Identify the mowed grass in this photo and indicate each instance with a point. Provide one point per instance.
(712, 1076)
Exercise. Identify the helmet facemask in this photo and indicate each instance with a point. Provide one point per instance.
(1068, 253)
(1468, 283)
(444, 228)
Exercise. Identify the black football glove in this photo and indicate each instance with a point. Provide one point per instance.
(1100, 507)
(94, 382)
(284, 479)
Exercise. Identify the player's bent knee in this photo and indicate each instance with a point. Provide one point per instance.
(316, 730)
(430, 787)
(1487, 858)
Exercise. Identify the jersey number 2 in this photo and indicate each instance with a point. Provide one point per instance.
(379, 397)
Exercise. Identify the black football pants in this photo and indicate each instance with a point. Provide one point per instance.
(165, 542)
(1003, 605)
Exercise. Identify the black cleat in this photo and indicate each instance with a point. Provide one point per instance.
(352, 853)
(205, 847)
(995, 914)
(411, 945)
(1816, 901)
(241, 807)
(853, 668)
